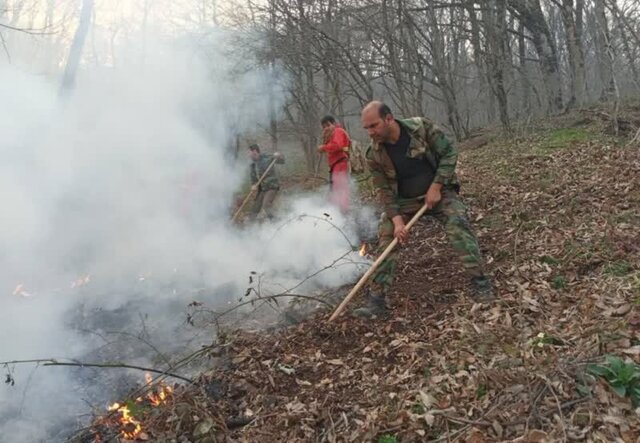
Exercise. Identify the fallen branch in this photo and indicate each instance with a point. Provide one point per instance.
(54, 362)
(635, 138)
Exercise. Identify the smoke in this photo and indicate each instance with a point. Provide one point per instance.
(128, 182)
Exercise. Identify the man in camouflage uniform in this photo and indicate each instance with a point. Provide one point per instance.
(413, 163)
(268, 189)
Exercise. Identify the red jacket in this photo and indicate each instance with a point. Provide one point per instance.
(334, 147)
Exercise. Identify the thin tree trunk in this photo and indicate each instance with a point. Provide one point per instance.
(75, 53)
(602, 52)
(394, 61)
(576, 55)
(531, 15)
(525, 86)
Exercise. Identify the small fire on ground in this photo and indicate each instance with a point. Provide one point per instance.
(364, 249)
(21, 291)
(124, 414)
(81, 281)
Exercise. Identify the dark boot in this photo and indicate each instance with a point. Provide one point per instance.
(482, 288)
(375, 307)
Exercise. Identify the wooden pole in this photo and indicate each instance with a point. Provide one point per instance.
(246, 200)
(375, 265)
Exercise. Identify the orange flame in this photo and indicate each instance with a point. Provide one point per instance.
(131, 428)
(161, 394)
(19, 290)
(81, 281)
(363, 250)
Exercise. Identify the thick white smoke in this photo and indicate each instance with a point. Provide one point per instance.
(121, 183)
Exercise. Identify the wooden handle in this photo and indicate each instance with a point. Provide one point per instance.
(246, 200)
(375, 265)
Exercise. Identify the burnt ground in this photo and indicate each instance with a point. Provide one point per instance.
(557, 212)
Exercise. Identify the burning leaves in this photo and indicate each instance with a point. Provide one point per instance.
(126, 417)
(131, 429)
(82, 281)
(364, 248)
(21, 291)
(159, 394)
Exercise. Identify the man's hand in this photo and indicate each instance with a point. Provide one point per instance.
(320, 149)
(433, 196)
(399, 230)
(277, 155)
(254, 188)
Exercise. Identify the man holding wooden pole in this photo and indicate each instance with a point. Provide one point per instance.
(413, 166)
(264, 181)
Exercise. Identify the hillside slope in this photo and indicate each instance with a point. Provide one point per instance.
(558, 218)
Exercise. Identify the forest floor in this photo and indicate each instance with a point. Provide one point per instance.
(554, 358)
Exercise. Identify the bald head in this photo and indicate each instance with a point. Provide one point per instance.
(376, 107)
(378, 120)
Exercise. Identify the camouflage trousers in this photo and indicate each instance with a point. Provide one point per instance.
(452, 213)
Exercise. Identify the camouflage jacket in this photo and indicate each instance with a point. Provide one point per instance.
(258, 168)
(428, 142)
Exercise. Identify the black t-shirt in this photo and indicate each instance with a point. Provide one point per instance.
(414, 175)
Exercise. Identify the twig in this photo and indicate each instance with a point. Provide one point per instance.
(119, 365)
(30, 31)
(270, 297)
(462, 430)
(130, 335)
(287, 292)
(515, 245)
(325, 220)
(635, 138)
(548, 382)
(55, 362)
(4, 46)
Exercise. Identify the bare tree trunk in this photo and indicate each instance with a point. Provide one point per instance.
(479, 59)
(574, 49)
(75, 53)
(602, 51)
(273, 112)
(625, 30)
(434, 37)
(394, 61)
(495, 29)
(614, 84)
(525, 86)
(530, 14)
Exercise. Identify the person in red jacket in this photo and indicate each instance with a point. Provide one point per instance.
(336, 145)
